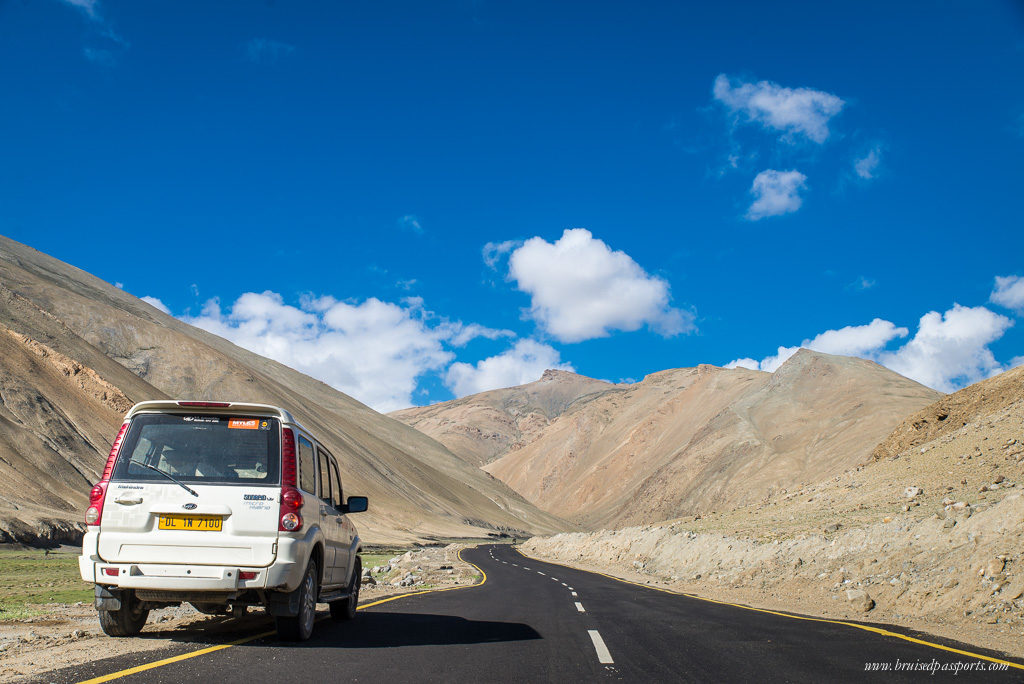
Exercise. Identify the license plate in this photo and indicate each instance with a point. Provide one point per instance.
(192, 523)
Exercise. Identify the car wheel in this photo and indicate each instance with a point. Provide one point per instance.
(300, 627)
(126, 620)
(345, 609)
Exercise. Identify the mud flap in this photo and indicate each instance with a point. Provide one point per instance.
(281, 604)
(107, 598)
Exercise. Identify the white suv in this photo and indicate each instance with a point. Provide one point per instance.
(222, 505)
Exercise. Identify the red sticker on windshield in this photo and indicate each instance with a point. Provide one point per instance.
(244, 423)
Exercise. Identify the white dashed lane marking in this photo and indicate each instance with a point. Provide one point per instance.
(579, 607)
(574, 594)
(564, 584)
(541, 573)
(603, 656)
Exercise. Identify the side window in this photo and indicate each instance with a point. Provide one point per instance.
(336, 485)
(325, 480)
(307, 466)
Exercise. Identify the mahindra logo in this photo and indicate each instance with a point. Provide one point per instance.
(189, 507)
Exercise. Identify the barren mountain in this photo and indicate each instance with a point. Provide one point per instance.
(481, 427)
(932, 531)
(707, 438)
(76, 352)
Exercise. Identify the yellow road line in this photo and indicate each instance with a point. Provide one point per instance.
(867, 628)
(254, 637)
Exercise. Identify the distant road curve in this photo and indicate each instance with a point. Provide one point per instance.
(534, 621)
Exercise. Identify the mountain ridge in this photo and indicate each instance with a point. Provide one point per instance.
(418, 489)
(691, 439)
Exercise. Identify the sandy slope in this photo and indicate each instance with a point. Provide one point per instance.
(706, 438)
(418, 489)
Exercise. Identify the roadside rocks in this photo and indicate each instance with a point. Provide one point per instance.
(912, 492)
(407, 581)
(860, 600)
(994, 566)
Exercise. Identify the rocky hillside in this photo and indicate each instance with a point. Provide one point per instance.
(947, 416)
(76, 352)
(705, 439)
(482, 427)
(931, 537)
(61, 400)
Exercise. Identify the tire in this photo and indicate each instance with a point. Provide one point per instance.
(126, 620)
(300, 627)
(345, 609)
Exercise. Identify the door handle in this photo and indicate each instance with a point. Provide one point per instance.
(128, 500)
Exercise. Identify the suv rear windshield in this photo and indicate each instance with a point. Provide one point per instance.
(201, 448)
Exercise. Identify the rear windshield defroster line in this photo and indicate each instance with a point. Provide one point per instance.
(204, 449)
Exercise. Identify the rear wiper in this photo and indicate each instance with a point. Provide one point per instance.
(171, 478)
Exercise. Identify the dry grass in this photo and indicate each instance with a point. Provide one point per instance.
(31, 577)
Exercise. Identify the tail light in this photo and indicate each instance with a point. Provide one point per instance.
(94, 514)
(115, 449)
(247, 574)
(288, 468)
(291, 498)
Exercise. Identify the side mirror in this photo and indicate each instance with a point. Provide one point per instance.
(356, 504)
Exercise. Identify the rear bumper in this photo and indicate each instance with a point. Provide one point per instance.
(285, 574)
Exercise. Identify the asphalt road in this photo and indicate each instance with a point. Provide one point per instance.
(537, 622)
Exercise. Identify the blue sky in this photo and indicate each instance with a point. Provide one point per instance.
(416, 201)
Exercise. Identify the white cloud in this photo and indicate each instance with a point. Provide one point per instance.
(581, 289)
(523, 363)
(768, 364)
(776, 193)
(266, 51)
(374, 350)
(89, 7)
(460, 334)
(853, 340)
(156, 303)
(948, 351)
(867, 166)
(411, 222)
(745, 362)
(862, 283)
(856, 340)
(792, 111)
(1009, 292)
(99, 56)
(496, 251)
